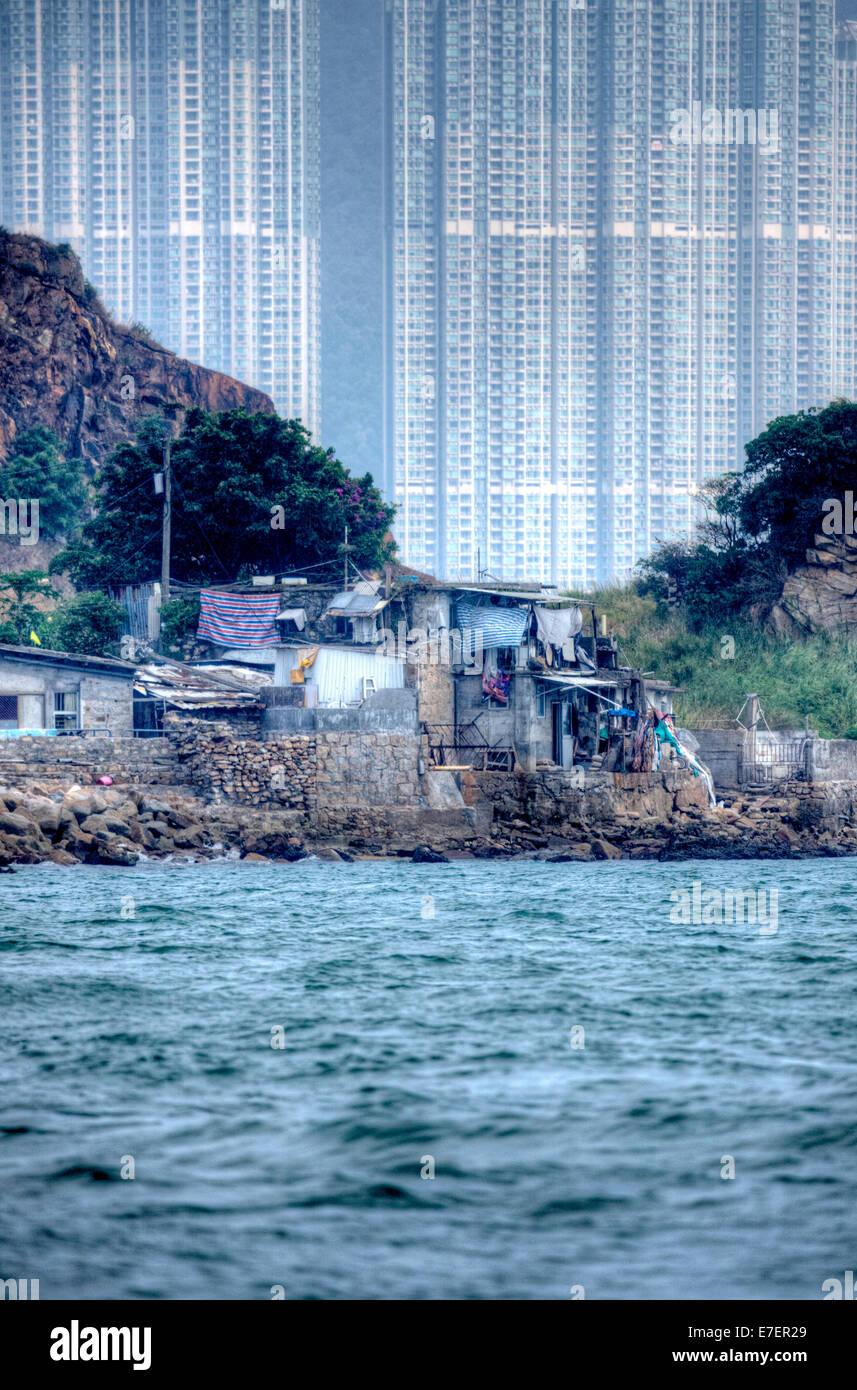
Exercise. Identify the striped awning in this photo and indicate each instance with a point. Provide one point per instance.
(490, 624)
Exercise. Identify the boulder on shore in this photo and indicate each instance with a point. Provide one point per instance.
(424, 854)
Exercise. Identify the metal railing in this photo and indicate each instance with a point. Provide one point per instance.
(783, 761)
(460, 745)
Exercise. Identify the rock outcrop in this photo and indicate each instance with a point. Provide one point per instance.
(821, 595)
(117, 826)
(65, 364)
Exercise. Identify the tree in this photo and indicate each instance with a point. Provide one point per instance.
(792, 468)
(86, 623)
(759, 522)
(38, 469)
(21, 615)
(250, 495)
(179, 620)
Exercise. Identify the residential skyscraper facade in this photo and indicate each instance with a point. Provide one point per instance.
(845, 196)
(175, 145)
(609, 264)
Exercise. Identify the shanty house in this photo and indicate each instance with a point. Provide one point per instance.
(529, 687)
(209, 690)
(48, 693)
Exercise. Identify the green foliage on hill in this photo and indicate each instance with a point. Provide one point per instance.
(697, 615)
(812, 677)
(19, 614)
(759, 523)
(38, 469)
(88, 622)
(179, 620)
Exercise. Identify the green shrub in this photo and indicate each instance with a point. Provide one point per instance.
(89, 623)
(796, 678)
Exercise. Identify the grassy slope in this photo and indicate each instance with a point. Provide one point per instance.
(794, 678)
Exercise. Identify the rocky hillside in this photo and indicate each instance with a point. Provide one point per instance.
(821, 594)
(65, 364)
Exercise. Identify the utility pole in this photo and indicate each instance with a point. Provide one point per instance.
(167, 517)
(345, 550)
(749, 772)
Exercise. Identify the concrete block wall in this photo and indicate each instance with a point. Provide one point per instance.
(361, 769)
(831, 760)
(720, 751)
(387, 711)
(105, 702)
(824, 760)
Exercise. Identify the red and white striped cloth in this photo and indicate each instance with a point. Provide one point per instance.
(238, 620)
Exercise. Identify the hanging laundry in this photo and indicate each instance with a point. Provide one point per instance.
(665, 732)
(555, 626)
(583, 658)
(496, 688)
(643, 747)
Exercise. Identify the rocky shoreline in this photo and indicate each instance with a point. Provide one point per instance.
(120, 826)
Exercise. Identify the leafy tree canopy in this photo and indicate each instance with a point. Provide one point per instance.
(20, 615)
(251, 495)
(88, 623)
(38, 469)
(759, 523)
(793, 467)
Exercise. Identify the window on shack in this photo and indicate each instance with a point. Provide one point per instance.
(8, 711)
(65, 710)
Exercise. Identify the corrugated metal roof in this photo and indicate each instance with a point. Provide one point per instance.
(362, 601)
(109, 665)
(531, 594)
(188, 687)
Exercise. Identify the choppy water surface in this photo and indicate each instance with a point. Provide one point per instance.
(426, 1011)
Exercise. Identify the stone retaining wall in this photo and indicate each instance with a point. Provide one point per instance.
(560, 801)
(62, 761)
(306, 771)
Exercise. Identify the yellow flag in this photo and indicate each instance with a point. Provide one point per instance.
(34, 638)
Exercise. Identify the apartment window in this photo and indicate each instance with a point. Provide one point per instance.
(8, 711)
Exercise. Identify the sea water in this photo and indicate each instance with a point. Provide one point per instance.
(480, 1080)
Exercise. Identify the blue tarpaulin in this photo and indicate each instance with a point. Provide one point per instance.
(490, 624)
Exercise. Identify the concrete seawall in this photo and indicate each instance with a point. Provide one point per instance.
(207, 787)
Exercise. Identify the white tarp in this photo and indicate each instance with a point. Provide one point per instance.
(557, 625)
(295, 615)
